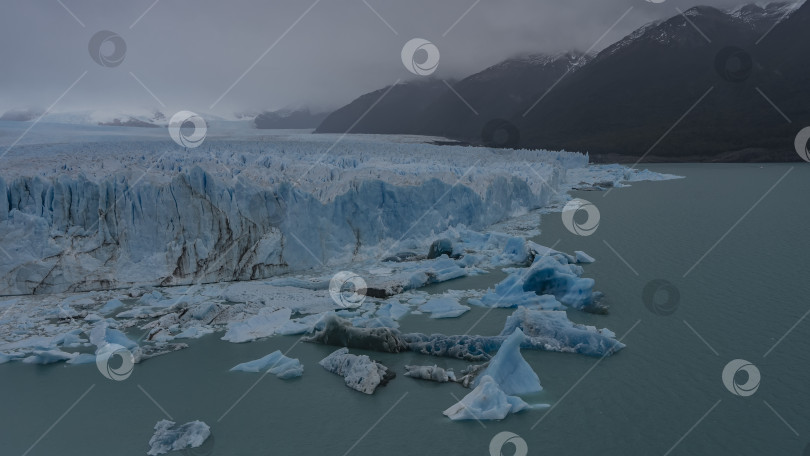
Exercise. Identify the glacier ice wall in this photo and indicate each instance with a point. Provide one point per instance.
(244, 210)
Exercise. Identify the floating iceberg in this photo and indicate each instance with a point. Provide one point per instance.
(509, 293)
(145, 352)
(83, 358)
(167, 437)
(544, 330)
(275, 363)
(392, 309)
(486, 402)
(466, 347)
(102, 334)
(111, 305)
(359, 372)
(48, 357)
(553, 331)
(433, 373)
(583, 257)
(554, 278)
(509, 370)
(340, 332)
(443, 307)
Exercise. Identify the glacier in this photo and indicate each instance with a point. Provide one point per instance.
(73, 219)
(241, 237)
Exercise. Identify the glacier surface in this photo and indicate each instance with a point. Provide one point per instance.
(73, 219)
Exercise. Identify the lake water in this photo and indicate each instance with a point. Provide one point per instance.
(663, 394)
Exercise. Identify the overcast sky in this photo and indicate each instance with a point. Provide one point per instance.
(188, 53)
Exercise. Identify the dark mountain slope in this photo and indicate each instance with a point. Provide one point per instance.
(396, 112)
(633, 92)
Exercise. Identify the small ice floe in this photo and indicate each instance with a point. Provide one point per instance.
(360, 373)
(392, 309)
(433, 373)
(583, 257)
(145, 352)
(102, 334)
(83, 358)
(303, 325)
(443, 307)
(110, 306)
(48, 357)
(167, 437)
(275, 363)
(264, 324)
(486, 402)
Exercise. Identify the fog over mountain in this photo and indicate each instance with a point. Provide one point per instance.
(227, 57)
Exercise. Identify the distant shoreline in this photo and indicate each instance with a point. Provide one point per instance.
(737, 156)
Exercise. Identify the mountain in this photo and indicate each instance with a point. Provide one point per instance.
(430, 107)
(130, 122)
(288, 119)
(705, 62)
(397, 109)
(494, 93)
(20, 115)
(695, 87)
